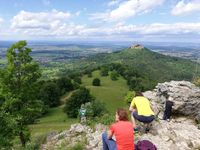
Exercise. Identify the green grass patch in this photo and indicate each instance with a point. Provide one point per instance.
(54, 120)
(110, 92)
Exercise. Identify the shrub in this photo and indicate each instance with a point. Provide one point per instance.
(78, 146)
(64, 84)
(73, 104)
(114, 75)
(50, 94)
(104, 71)
(96, 82)
(107, 119)
(129, 96)
(89, 74)
(95, 109)
(78, 80)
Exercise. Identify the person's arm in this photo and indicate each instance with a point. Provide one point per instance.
(131, 109)
(110, 134)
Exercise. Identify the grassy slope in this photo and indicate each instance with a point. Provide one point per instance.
(157, 67)
(110, 92)
(55, 120)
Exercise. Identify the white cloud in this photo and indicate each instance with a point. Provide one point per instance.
(57, 24)
(184, 8)
(150, 29)
(1, 20)
(78, 13)
(43, 20)
(127, 9)
(114, 2)
(44, 24)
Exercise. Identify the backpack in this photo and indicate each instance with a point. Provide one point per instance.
(145, 145)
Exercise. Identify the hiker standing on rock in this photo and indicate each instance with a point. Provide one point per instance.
(120, 136)
(141, 110)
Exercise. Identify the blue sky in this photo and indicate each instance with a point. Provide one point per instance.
(100, 20)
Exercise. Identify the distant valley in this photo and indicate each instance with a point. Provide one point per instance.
(56, 57)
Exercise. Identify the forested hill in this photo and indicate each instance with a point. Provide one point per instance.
(142, 65)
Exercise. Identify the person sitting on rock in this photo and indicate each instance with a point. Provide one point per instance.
(141, 110)
(120, 136)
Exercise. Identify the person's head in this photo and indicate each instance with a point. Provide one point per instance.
(138, 94)
(121, 115)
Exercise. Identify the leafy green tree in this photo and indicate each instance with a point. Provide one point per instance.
(64, 84)
(18, 80)
(104, 71)
(89, 74)
(7, 132)
(95, 109)
(50, 94)
(73, 104)
(77, 79)
(96, 82)
(114, 75)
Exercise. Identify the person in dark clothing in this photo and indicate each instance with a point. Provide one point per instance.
(168, 109)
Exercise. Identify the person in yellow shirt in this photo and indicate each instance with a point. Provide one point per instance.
(141, 110)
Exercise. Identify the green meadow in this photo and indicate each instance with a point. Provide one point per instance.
(54, 120)
(110, 92)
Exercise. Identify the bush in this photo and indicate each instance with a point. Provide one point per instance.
(78, 146)
(114, 75)
(78, 80)
(64, 84)
(50, 94)
(95, 109)
(89, 74)
(74, 103)
(107, 119)
(104, 71)
(129, 96)
(96, 82)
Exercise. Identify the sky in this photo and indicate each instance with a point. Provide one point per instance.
(100, 20)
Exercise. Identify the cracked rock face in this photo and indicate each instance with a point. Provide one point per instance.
(185, 95)
(178, 134)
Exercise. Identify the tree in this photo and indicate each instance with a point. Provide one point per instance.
(18, 80)
(50, 94)
(96, 82)
(114, 75)
(73, 104)
(104, 71)
(77, 79)
(64, 84)
(7, 125)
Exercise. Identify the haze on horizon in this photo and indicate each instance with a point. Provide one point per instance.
(101, 20)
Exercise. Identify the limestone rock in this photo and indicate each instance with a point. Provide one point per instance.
(178, 134)
(185, 95)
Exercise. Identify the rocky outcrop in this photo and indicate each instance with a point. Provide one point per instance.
(178, 134)
(185, 95)
(78, 133)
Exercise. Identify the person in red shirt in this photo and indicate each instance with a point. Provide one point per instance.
(120, 136)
